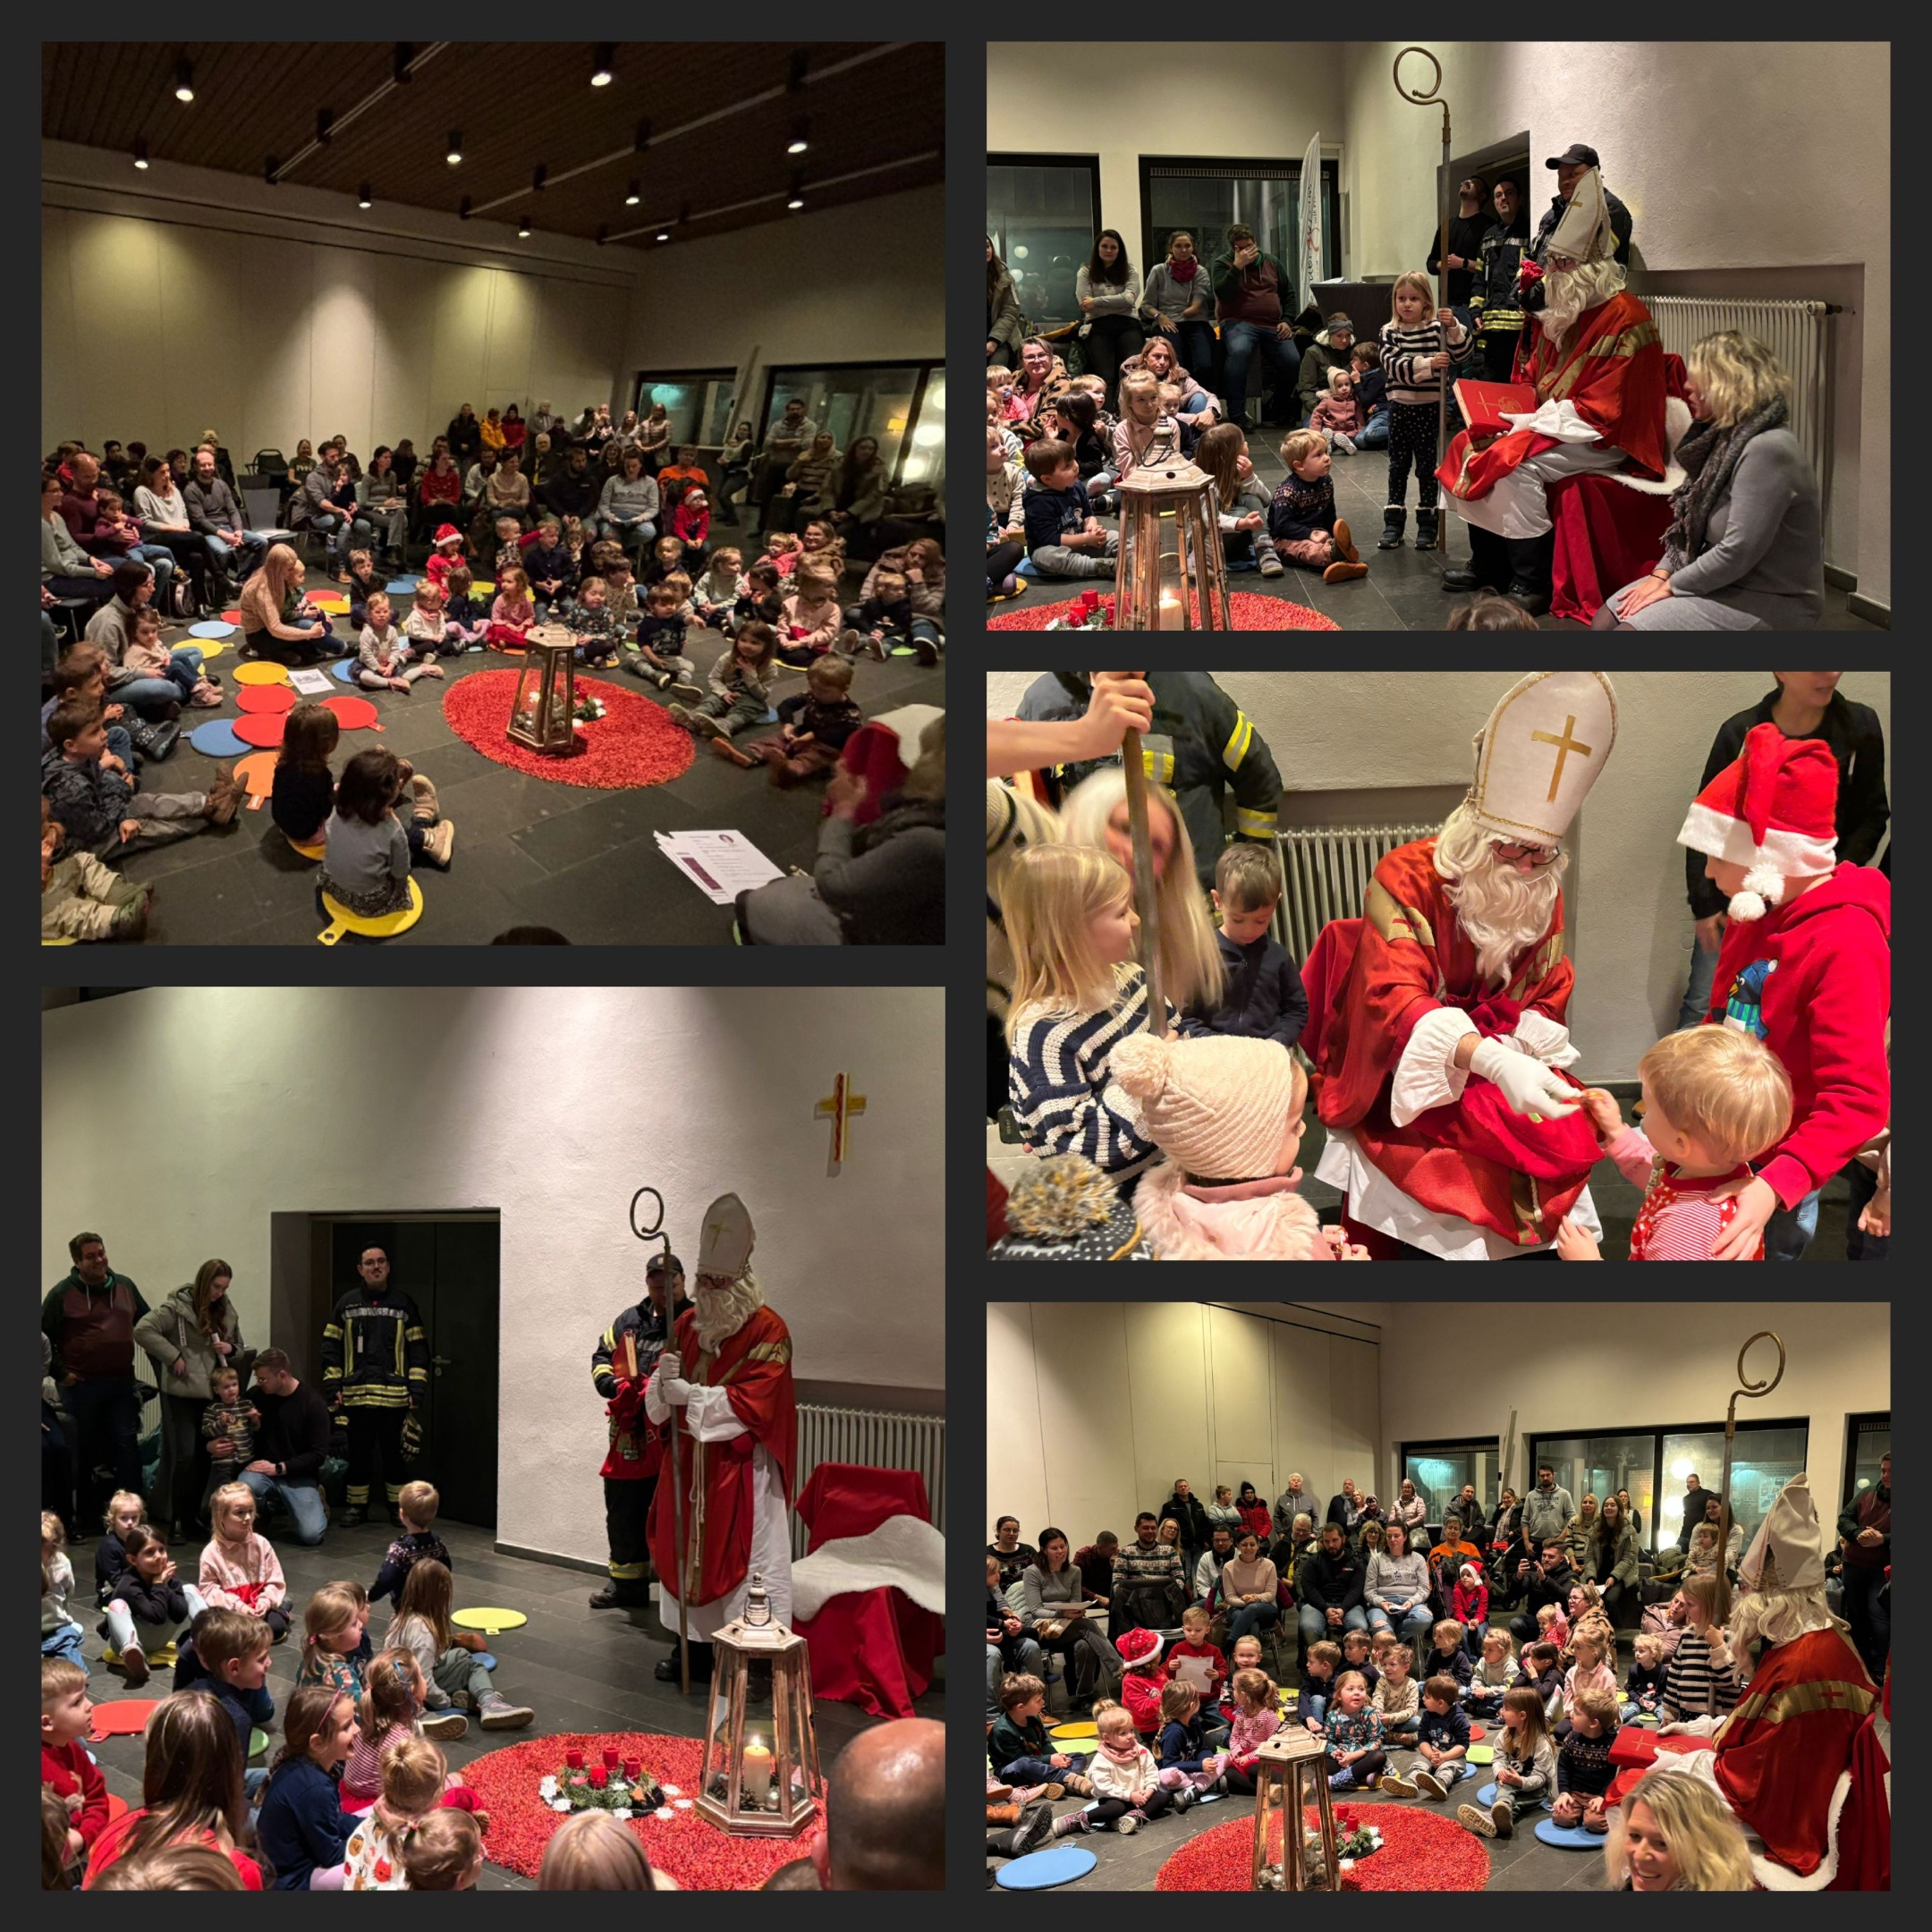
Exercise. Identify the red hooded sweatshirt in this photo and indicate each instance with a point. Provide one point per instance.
(1821, 1009)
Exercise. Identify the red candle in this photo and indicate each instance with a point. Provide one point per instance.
(573, 1758)
(633, 1768)
(610, 1757)
(599, 1777)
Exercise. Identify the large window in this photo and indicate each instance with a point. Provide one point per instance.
(1207, 198)
(1043, 212)
(700, 404)
(1438, 1469)
(1653, 1463)
(1867, 1441)
(903, 404)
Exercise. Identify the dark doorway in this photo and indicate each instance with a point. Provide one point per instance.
(448, 1266)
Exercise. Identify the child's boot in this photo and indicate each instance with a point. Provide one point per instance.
(129, 920)
(224, 796)
(438, 841)
(1183, 1797)
(423, 803)
(1344, 443)
(725, 749)
(135, 1661)
(1394, 519)
(1270, 558)
(1345, 543)
(1342, 571)
(1425, 529)
(496, 1712)
(1072, 1822)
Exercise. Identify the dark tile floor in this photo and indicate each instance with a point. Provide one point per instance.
(581, 1669)
(527, 851)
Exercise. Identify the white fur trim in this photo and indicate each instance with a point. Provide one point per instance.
(1746, 906)
(902, 1554)
(1721, 836)
(1775, 1878)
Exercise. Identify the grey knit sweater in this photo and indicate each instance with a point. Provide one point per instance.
(1763, 551)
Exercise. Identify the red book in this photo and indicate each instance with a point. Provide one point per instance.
(1484, 405)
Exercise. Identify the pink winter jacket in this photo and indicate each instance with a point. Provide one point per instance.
(1341, 414)
(245, 1576)
(1254, 1221)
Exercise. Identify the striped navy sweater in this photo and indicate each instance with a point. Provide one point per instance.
(1058, 1085)
(1406, 351)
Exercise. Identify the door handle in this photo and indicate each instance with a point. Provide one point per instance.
(443, 1362)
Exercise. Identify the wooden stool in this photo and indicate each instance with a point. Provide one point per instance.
(541, 712)
(1285, 1767)
(1190, 591)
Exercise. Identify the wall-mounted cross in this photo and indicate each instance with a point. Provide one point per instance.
(1564, 745)
(838, 1107)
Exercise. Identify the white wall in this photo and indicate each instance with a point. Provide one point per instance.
(1356, 730)
(551, 1106)
(1558, 1377)
(1094, 1408)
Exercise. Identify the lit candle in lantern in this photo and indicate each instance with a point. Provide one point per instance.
(573, 1758)
(756, 1771)
(1170, 611)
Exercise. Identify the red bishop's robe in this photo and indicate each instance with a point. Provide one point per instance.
(754, 1366)
(1610, 367)
(1370, 981)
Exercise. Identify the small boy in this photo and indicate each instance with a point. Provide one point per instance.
(1317, 1682)
(1451, 1659)
(82, 673)
(1020, 1748)
(1442, 1742)
(416, 1504)
(1371, 394)
(233, 1648)
(1643, 1689)
(1302, 516)
(1583, 1766)
(93, 797)
(1713, 1098)
(621, 591)
(1261, 993)
(882, 620)
(1380, 1643)
(1542, 1672)
(1355, 1657)
(813, 726)
(1195, 1662)
(228, 1417)
(509, 544)
(1495, 1672)
(75, 1779)
(547, 565)
(660, 639)
(80, 897)
(1062, 538)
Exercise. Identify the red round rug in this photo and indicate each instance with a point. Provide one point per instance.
(1249, 611)
(633, 744)
(691, 1848)
(1421, 1851)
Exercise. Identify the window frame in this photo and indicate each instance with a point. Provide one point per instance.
(688, 378)
(925, 366)
(1153, 244)
(1493, 1444)
(1848, 1467)
(1091, 162)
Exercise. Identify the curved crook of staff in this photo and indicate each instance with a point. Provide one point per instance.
(1746, 1387)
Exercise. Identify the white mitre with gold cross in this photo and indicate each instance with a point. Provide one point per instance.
(1541, 752)
(724, 1246)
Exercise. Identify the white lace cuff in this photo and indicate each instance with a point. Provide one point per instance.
(1548, 1041)
(1427, 1075)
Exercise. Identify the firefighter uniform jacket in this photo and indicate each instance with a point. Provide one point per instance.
(1199, 744)
(639, 1450)
(1498, 309)
(374, 1354)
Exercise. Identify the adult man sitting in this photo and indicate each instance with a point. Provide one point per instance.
(1148, 1591)
(213, 513)
(81, 510)
(1213, 1561)
(1254, 298)
(290, 1445)
(1544, 1577)
(1328, 1590)
(1596, 368)
(1457, 970)
(572, 491)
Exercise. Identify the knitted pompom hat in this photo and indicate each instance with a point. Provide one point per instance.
(1217, 1106)
(1140, 1646)
(1771, 810)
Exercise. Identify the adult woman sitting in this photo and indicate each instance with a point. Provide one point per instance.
(1612, 1564)
(734, 463)
(1179, 302)
(67, 569)
(1578, 1532)
(1162, 362)
(276, 623)
(405, 463)
(191, 1335)
(465, 434)
(163, 512)
(811, 486)
(111, 627)
(1032, 382)
(1108, 292)
(1674, 1833)
(1395, 1586)
(1004, 324)
(1744, 550)
(508, 491)
(654, 438)
(381, 504)
(1249, 1589)
(1055, 1612)
(858, 500)
(627, 508)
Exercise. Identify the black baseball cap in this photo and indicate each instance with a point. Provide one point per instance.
(1576, 155)
(658, 1263)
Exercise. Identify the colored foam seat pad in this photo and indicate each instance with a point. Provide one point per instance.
(231, 616)
(214, 647)
(166, 1658)
(258, 1742)
(353, 714)
(1490, 1793)
(212, 627)
(1647, 1719)
(1477, 1733)
(1570, 1837)
(117, 1808)
(384, 926)
(482, 587)
(257, 772)
(1038, 1871)
(344, 670)
(221, 737)
(266, 698)
(332, 601)
(1069, 1733)
(488, 1620)
(261, 671)
(66, 939)
(258, 727)
(124, 1717)
(403, 586)
(1481, 1754)
(317, 849)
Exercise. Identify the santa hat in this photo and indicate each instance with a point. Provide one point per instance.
(1140, 1646)
(1583, 234)
(1539, 753)
(1771, 811)
(1791, 1539)
(447, 533)
(1467, 1575)
(725, 1245)
(1217, 1106)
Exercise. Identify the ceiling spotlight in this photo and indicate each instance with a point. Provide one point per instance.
(600, 72)
(522, 229)
(798, 190)
(363, 196)
(666, 236)
(140, 153)
(633, 198)
(455, 146)
(800, 141)
(184, 80)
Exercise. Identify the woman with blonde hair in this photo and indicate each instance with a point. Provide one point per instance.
(595, 1852)
(194, 1332)
(1095, 813)
(1674, 1833)
(276, 623)
(1744, 550)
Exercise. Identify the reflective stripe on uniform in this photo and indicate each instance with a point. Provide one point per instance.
(1254, 825)
(1239, 740)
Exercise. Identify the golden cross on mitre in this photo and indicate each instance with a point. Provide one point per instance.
(1565, 744)
(838, 1107)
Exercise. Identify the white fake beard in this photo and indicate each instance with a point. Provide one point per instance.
(1779, 1616)
(1567, 292)
(1502, 911)
(719, 1313)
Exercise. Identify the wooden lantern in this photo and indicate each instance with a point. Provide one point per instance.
(754, 1782)
(1291, 1769)
(1181, 589)
(541, 714)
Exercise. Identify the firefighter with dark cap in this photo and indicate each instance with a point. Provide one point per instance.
(620, 1366)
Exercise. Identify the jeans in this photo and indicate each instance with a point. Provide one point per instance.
(302, 1500)
(1789, 1231)
(184, 671)
(1109, 341)
(106, 1420)
(1252, 1617)
(1314, 1625)
(1374, 432)
(1195, 340)
(1412, 1628)
(1860, 1246)
(161, 561)
(1869, 1613)
(180, 1480)
(333, 527)
(1697, 997)
(1031, 1664)
(1239, 340)
(64, 1643)
(634, 537)
(252, 544)
(145, 694)
(124, 1636)
(1055, 560)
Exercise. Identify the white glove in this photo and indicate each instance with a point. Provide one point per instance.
(1705, 1726)
(1527, 1086)
(674, 1390)
(670, 1363)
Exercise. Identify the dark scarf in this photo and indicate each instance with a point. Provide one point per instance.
(1709, 456)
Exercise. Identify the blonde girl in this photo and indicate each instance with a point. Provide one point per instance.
(240, 1570)
(721, 586)
(1257, 1719)
(1418, 344)
(513, 612)
(333, 1623)
(595, 1852)
(302, 1825)
(1525, 1768)
(125, 1511)
(60, 1635)
(446, 1659)
(1240, 504)
(414, 1780)
(444, 1853)
(1702, 1678)
(813, 618)
(1674, 1833)
(1144, 434)
(1591, 1671)
(1095, 815)
(1123, 1773)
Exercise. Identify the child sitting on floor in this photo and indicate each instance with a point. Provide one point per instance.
(740, 687)
(1591, 1672)
(1240, 504)
(1353, 1731)
(1146, 433)
(1063, 539)
(1243, 1654)
(369, 852)
(1643, 1688)
(591, 623)
(513, 613)
(428, 630)
(1713, 1098)
(444, 1853)
(660, 658)
(232, 1646)
(1395, 1697)
(93, 797)
(446, 554)
(762, 598)
(80, 897)
(302, 1824)
(1338, 416)
(784, 548)
(126, 1513)
(66, 1768)
(1553, 1624)
(417, 1504)
(1490, 610)
(363, 586)
(1493, 1674)
(1143, 1679)
(1124, 1776)
(60, 1635)
(550, 567)
(1542, 1672)
(1302, 523)
(240, 1570)
(391, 1714)
(335, 1626)
(1020, 1748)
(509, 547)
(666, 554)
(621, 592)
(463, 609)
(812, 617)
(813, 726)
(690, 524)
(1442, 1742)
(882, 620)
(147, 657)
(304, 793)
(1371, 392)
(1583, 1766)
(1525, 1766)
(1318, 1670)
(1257, 1719)
(414, 1782)
(1451, 1657)
(447, 1658)
(82, 673)
(721, 585)
(383, 657)
(1469, 1604)
(1187, 1766)
(1357, 1647)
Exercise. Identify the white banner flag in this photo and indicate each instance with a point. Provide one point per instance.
(1311, 219)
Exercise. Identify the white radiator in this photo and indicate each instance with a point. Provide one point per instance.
(1797, 332)
(882, 1439)
(1325, 871)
